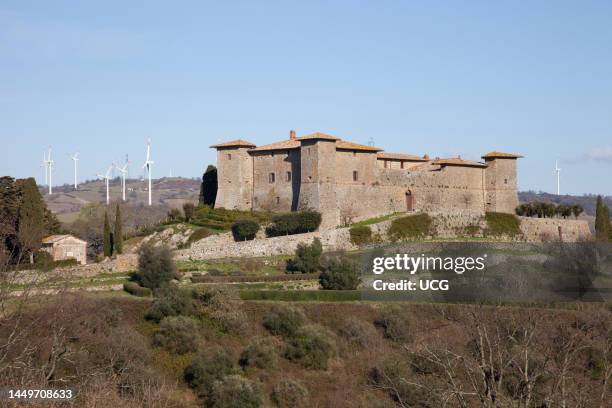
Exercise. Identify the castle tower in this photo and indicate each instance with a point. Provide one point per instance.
(234, 175)
(317, 170)
(500, 182)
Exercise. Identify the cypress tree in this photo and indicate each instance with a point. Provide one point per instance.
(9, 211)
(208, 188)
(31, 221)
(118, 235)
(107, 244)
(602, 220)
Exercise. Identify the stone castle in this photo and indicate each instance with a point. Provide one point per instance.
(348, 181)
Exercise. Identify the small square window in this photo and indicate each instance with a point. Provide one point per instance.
(229, 156)
(505, 181)
(271, 177)
(402, 165)
(354, 153)
(355, 176)
(288, 176)
(277, 200)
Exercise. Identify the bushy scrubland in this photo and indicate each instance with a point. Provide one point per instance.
(206, 348)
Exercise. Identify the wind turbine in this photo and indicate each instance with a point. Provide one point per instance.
(123, 170)
(557, 172)
(48, 163)
(44, 165)
(75, 159)
(107, 178)
(147, 165)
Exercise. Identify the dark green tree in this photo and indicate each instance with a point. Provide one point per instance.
(9, 211)
(208, 188)
(307, 257)
(155, 266)
(108, 244)
(31, 225)
(340, 274)
(118, 235)
(602, 220)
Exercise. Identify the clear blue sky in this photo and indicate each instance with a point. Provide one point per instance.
(441, 78)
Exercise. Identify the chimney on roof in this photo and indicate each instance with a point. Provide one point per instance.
(426, 156)
(292, 135)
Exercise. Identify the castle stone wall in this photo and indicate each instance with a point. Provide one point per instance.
(234, 178)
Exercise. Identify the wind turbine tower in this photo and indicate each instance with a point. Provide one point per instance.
(557, 172)
(148, 164)
(75, 159)
(107, 178)
(48, 163)
(123, 170)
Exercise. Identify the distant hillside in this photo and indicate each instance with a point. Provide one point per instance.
(586, 201)
(167, 192)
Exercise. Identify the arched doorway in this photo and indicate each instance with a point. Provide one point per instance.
(409, 201)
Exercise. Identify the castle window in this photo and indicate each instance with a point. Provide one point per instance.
(355, 175)
(288, 176)
(271, 177)
(277, 200)
(354, 153)
(272, 153)
(386, 164)
(229, 156)
(402, 165)
(505, 181)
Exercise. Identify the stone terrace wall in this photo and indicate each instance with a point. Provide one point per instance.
(447, 225)
(224, 246)
(547, 229)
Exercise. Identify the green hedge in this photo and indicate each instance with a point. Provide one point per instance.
(294, 223)
(499, 224)
(245, 229)
(412, 226)
(135, 289)
(302, 295)
(361, 235)
(247, 279)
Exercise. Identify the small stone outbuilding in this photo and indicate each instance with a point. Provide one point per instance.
(63, 247)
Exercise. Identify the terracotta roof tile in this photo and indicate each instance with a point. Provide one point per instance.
(501, 155)
(401, 156)
(282, 145)
(455, 161)
(342, 144)
(318, 135)
(234, 143)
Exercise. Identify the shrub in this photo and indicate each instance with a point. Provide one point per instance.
(311, 346)
(155, 266)
(245, 229)
(222, 305)
(260, 353)
(207, 367)
(284, 320)
(358, 332)
(135, 289)
(410, 227)
(199, 234)
(235, 391)
(307, 257)
(394, 324)
(502, 224)
(177, 334)
(360, 235)
(170, 301)
(290, 393)
(392, 377)
(188, 210)
(294, 223)
(340, 274)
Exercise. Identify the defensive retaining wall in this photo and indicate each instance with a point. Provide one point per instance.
(448, 226)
